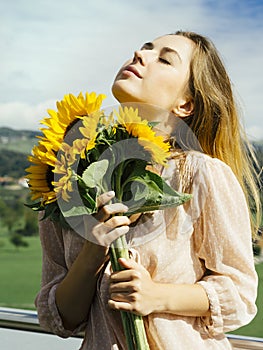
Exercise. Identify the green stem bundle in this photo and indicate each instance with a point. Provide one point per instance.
(133, 324)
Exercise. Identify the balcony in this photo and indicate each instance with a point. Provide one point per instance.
(20, 330)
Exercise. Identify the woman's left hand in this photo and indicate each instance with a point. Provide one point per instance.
(133, 289)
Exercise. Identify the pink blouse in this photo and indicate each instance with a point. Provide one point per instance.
(206, 241)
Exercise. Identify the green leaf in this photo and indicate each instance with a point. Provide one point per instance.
(89, 201)
(153, 124)
(50, 210)
(77, 211)
(140, 192)
(35, 206)
(95, 172)
(149, 191)
(166, 202)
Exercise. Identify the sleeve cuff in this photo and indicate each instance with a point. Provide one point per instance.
(58, 327)
(212, 325)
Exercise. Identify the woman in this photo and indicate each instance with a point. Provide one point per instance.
(196, 279)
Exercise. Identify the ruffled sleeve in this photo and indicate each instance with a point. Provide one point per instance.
(54, 269)
(225, 247)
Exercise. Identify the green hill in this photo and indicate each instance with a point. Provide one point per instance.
(13, 164)
(8, 132)
(15, 145)
(19, 141)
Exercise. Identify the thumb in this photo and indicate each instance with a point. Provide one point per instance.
(127, 263)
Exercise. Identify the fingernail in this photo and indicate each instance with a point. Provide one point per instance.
(111, 194)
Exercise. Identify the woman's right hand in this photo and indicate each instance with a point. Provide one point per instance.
(106, 226)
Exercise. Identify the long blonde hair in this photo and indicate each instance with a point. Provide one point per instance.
(215, 120)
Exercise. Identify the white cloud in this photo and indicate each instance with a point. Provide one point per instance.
(255, 133)
(24, 116)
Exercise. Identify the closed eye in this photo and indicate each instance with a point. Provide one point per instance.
(163, 60)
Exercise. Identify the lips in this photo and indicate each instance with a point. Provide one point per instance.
(133, 70)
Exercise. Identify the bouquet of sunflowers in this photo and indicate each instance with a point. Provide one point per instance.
(84, 153)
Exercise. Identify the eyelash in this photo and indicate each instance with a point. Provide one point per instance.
(162, 60)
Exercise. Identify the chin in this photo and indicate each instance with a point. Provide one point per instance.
(123, 91)
(122, 96)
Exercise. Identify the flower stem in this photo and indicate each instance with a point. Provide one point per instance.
(132, 324)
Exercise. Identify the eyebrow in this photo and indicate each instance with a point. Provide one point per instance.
(150, 46)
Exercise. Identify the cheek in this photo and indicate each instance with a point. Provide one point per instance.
(164, 79)
(175, 86)
(167, 88)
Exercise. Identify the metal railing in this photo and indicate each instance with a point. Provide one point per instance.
(20, 330)
(248, 343)
(26, 320)
(19, 319)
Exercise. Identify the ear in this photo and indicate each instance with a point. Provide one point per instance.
(184, 108)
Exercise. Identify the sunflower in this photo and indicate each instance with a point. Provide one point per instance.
(80, 146)
(39, 176)
(69, 153)
(89, 131)
(44, 155)
(108, 121)
(140, 128)
(156, 147)
(63, 186)
(69, 111)
(129, 118)
(67, 156)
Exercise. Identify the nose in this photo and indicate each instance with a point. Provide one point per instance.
(139, 57)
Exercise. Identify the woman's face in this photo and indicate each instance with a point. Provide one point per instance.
(158, 75)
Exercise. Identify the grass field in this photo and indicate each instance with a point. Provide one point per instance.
(20, 272)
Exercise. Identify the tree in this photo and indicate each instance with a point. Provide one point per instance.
(18, 241)
(30, 227)
(13, 212)
(10, 220)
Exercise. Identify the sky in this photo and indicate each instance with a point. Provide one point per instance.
(51, 48)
